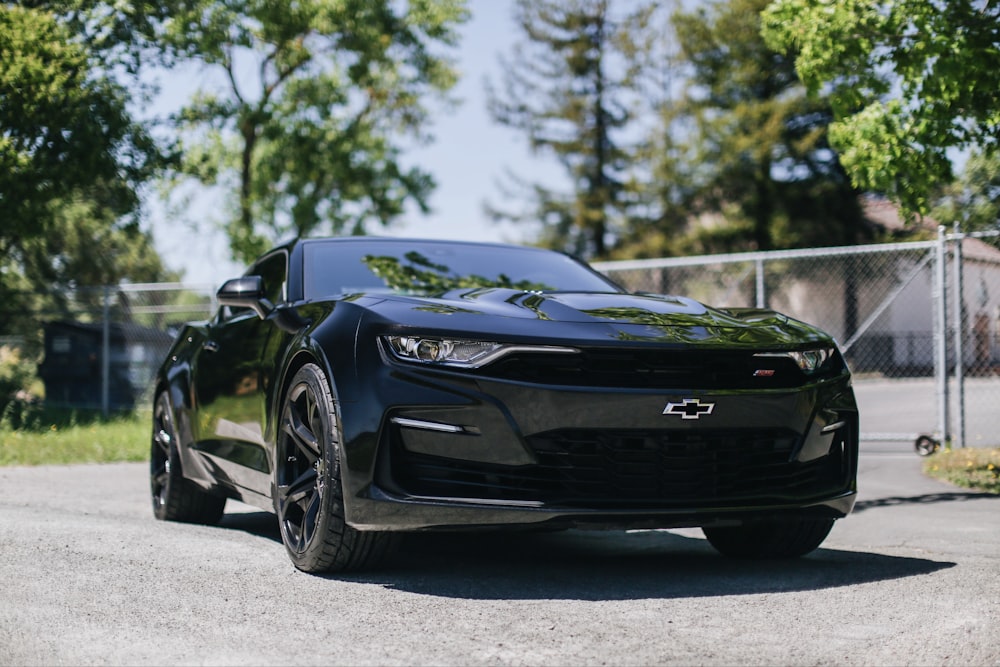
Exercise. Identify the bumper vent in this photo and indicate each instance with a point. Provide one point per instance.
(633, 469)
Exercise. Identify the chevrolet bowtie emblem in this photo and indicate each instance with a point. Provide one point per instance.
(689, 408)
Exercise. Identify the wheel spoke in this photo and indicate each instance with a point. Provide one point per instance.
(301, 487)
(160, 478)
(310, 411)
(159, 486)
(297, 513)
(309, 519)
(293, 534)
(305, 439)
(162, 440)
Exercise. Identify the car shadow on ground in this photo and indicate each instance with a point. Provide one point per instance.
(261, 524)
(598, 565)
(616, 565)
(925, 499)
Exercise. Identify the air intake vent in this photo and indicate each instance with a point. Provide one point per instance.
(629, 469)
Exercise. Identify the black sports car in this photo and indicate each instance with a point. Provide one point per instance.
(363, 387)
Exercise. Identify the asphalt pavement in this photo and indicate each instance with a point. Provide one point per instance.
(89, 577)
(909, 407)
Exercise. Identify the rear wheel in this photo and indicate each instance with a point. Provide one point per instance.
(770, 539)
(174, 497)
(308, 494)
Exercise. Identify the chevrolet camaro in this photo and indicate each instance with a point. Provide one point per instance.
(361, 388)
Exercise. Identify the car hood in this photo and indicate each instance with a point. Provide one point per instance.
(638, 317)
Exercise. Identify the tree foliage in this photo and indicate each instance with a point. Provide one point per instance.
(910, 79)
(571, 86)
(64, 127)
(72, 158)
(973, 200)
(313, 97)
(124, 34)
(762, 161)
(737, 155)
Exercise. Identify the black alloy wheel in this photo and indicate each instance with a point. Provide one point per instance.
(175, 498)
(308, 493)
(769, 539)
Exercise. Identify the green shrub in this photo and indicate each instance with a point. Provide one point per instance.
(18, 377)
(969, 467)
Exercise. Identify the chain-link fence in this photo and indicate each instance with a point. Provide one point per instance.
(98, 348)
(890, 307)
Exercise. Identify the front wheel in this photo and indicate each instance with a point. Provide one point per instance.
(769, 539)
(308, 493)
(174, 497)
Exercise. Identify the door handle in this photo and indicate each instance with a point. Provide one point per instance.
(210, 346)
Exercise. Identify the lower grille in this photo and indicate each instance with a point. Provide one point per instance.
(630, 468)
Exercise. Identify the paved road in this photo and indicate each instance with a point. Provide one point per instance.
(88, 577)
(910, 406)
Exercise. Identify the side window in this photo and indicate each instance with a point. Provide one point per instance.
(273, 270)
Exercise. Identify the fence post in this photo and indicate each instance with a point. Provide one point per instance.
(106, 355)
(959, 336)
(941, 337)
(761, 294)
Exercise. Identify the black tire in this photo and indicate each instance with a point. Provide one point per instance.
(174, 497)
(308, 493)
(926, 445)
(769, 539)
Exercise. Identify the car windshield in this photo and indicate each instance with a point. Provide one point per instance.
(433, 268)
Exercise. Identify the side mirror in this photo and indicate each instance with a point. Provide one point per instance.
(245, 292)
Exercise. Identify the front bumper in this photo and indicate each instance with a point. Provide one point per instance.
(450, 450)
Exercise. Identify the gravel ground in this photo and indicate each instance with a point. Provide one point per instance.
(89, 577)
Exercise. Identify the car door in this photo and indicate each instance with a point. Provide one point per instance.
(230, 380)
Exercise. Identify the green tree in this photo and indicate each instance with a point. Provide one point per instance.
(909, 79)
(761, 158)
(64, 128)
(571, 86)
(973, 200)
(123, 33)
(72, 158)
(305, 126)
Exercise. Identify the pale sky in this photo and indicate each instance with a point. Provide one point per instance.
(468, 156)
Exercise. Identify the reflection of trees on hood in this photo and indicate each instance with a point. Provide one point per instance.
(718, 326)
(422, 276)
(634, 315)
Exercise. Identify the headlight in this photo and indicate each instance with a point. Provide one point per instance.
(457, 352)
(809, 361)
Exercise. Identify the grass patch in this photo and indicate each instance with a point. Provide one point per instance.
(76, 439)
(969, 467)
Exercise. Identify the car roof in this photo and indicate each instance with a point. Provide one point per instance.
(413, 240)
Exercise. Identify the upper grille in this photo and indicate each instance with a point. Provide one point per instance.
(660, 368)
(630, 468)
